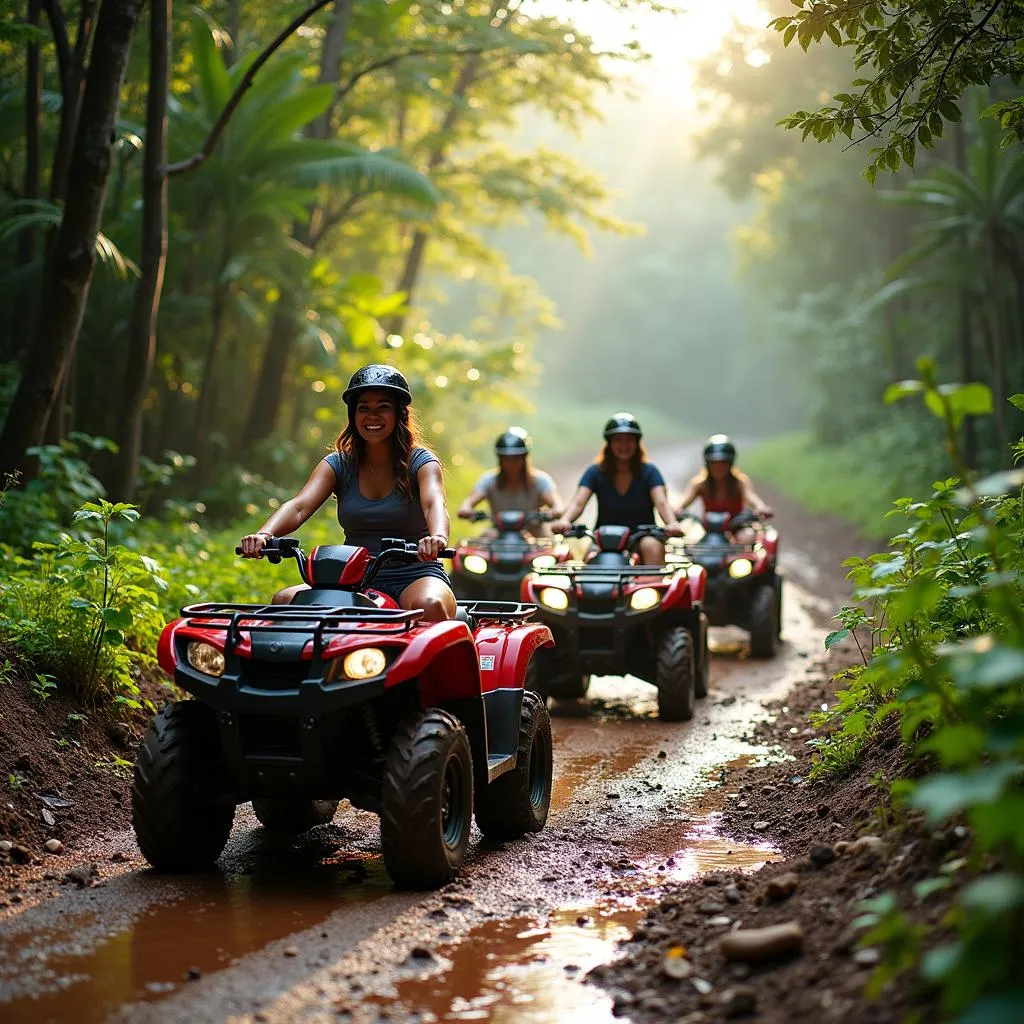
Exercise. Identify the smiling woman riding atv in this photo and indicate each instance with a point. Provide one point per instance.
(386, 486)
(628, 488)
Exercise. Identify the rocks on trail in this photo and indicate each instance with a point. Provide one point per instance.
(782, 887)
(82, 875)
(54, 846)
(675, 965)
(821, 854)
(754, 944)
(732, 894)
(739, 1001)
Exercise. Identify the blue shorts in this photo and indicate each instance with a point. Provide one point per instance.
(395, 578)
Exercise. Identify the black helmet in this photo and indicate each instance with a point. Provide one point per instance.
(378, 377)
(622, 423)
(719, 448)
(515, 441)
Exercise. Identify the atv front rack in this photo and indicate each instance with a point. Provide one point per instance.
(319, 620)
(696, 551)
(498, 611)
(596, 572)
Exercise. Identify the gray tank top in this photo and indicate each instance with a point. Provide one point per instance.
(366, 521)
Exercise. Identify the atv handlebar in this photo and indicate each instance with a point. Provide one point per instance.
(579, 531)
(479, 516)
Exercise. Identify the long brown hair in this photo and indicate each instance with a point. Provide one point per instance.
(352, 448)
(502, 481)
(707, 484)
(606, 460)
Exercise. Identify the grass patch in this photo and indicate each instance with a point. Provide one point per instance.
(842, 481)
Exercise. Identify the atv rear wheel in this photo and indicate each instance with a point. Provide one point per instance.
(700, 687)
(179, 823)
(764, 619)
(675, 675)
(280, 814)
(517, 802)
(426, 801)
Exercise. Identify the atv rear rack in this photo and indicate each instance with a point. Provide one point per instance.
(276, 618)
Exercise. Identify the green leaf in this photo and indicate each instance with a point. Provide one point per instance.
(994, 894)
(835, 637)
(113, 637)
(1017, 401)
(82, 514)
(941, 796)
(937, 963)
(1004, 1008)
(990, 669)
(927, 886)
(117, 618)
(901, 389)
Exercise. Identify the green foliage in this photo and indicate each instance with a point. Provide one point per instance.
(83, 611)
(916, 59)
(941, 630)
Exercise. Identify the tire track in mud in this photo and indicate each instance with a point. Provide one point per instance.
(313, 931)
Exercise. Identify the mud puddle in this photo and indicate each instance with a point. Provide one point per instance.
(218, 920)
(522, 969)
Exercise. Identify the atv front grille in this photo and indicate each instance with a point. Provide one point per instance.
(597, 606)
(597, 638)
(270, 736)
(273, 675)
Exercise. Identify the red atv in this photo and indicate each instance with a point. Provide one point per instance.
(492, 567)
(611, 617)
(744, 584)
(342, 694)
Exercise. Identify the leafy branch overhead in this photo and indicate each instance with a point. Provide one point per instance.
(918, 58)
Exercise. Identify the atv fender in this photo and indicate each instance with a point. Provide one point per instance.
(443, 658)
(686, 590)
(165, 647)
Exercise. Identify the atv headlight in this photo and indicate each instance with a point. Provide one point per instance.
(366, 662)
(739, 568)
(542, 562)
(644, 599)
(205, 658)
(554, 598)
(475, 564)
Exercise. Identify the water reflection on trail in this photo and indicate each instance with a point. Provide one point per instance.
(530, 971)
(216, 920)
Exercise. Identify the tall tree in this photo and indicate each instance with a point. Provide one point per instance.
(66, 283)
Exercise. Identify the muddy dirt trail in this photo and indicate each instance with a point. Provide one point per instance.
(311, 930)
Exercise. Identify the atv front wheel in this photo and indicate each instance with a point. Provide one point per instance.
(293, 816)
(704, 671)
(517, 802)
(426, 801)
(179, 823)
(764, 619)
(675, 676)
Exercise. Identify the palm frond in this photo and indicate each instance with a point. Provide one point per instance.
(363, 171)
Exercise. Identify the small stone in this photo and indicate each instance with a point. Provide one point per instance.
(743, 805)
(82, 874)
(583, 920)
(720, 922)
(871, 846)
(821, 854)
(823, 810)
(118, 857)
(738, 1001)
(710, 908)
(6, 846)
(866, 957)
(753, 944)
(193, 974)
(732, 894)
(47, 816)
(760, 825)
(675, 965)
(705, 988)
(842, 847)
(782, 888)
(662, 755)
(291, 951)
(549, 878)
(420, 953)
(54, 846)
(612, 796)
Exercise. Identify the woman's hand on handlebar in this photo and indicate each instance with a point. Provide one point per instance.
(673, 530)
(429, 548)
(562, 526)
(253, 544)
(766, 513)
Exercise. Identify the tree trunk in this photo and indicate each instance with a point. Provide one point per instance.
(24, 309)
(66, 287)
(153, 257)
(414, 257)
(270, 383)
(965, 341)
(207, 384)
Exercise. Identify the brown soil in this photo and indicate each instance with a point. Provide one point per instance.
(779, 804)
(59, 775)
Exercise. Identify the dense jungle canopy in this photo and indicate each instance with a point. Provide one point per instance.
(211, 213)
